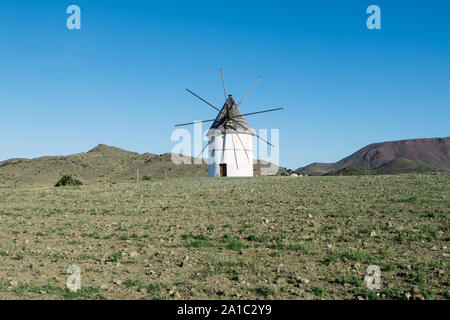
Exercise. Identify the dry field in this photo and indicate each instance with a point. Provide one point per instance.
(200, 238)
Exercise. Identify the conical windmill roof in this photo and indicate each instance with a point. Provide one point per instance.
(238, 124)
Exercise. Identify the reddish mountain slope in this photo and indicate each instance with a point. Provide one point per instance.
(435, 152)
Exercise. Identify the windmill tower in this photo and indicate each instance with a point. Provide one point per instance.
(230, 138)
(230, 141)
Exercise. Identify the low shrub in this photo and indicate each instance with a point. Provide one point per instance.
(68, 180)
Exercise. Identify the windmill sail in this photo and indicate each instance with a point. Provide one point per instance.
(230, 137)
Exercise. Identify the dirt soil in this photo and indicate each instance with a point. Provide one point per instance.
(230, 238)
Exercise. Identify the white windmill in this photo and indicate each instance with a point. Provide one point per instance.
(230, 138)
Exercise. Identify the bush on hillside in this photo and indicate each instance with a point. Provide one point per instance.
(68, 180)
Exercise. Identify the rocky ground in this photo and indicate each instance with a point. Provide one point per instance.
(200, 238)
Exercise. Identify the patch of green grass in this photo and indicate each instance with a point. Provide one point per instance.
(400, 238)
(384, 252)
(132, 283)
(265, 291)
(73, 242)
(18, 256)
(446, 294)
(31, 288)
(350, 255)
(354, 281)
(432, 231)
(3, 286)
(85, 256)
(187, 236)
(115, 257)
(331, 258)
(428, 294)
(318, 291)
(199, 244)
(353, 255)
(195, 237)
(201, 237)
(393, 293)
(86, 293)
(234, 244)
(155, 287)
(275, 254)
(370, 295)
(418, 277)
(389, 267)
(405, 200)
(234, 267)
(288, 246)
(94, 235)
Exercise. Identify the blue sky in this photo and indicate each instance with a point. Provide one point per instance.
(120, 80)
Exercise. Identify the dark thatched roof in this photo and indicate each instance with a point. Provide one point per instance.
(238, 124)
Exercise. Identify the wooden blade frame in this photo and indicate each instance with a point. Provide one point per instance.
(249, 90)
(258, 112)
(223, 84)
(209, 104)
(253, 133)
(189, 123)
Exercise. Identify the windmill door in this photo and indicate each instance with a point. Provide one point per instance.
(223, 169)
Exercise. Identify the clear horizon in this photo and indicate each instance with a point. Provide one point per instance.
(121, 79)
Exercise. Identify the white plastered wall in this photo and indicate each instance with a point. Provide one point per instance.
(233, 149)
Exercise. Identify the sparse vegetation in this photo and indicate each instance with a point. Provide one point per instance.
(318, 291)
(393, 293)
(265, 291)
(198, 238)
(102, 164)
(234, 244)
(31, 290)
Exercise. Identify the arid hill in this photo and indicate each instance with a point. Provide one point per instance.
(431, 153)
(102, 164)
